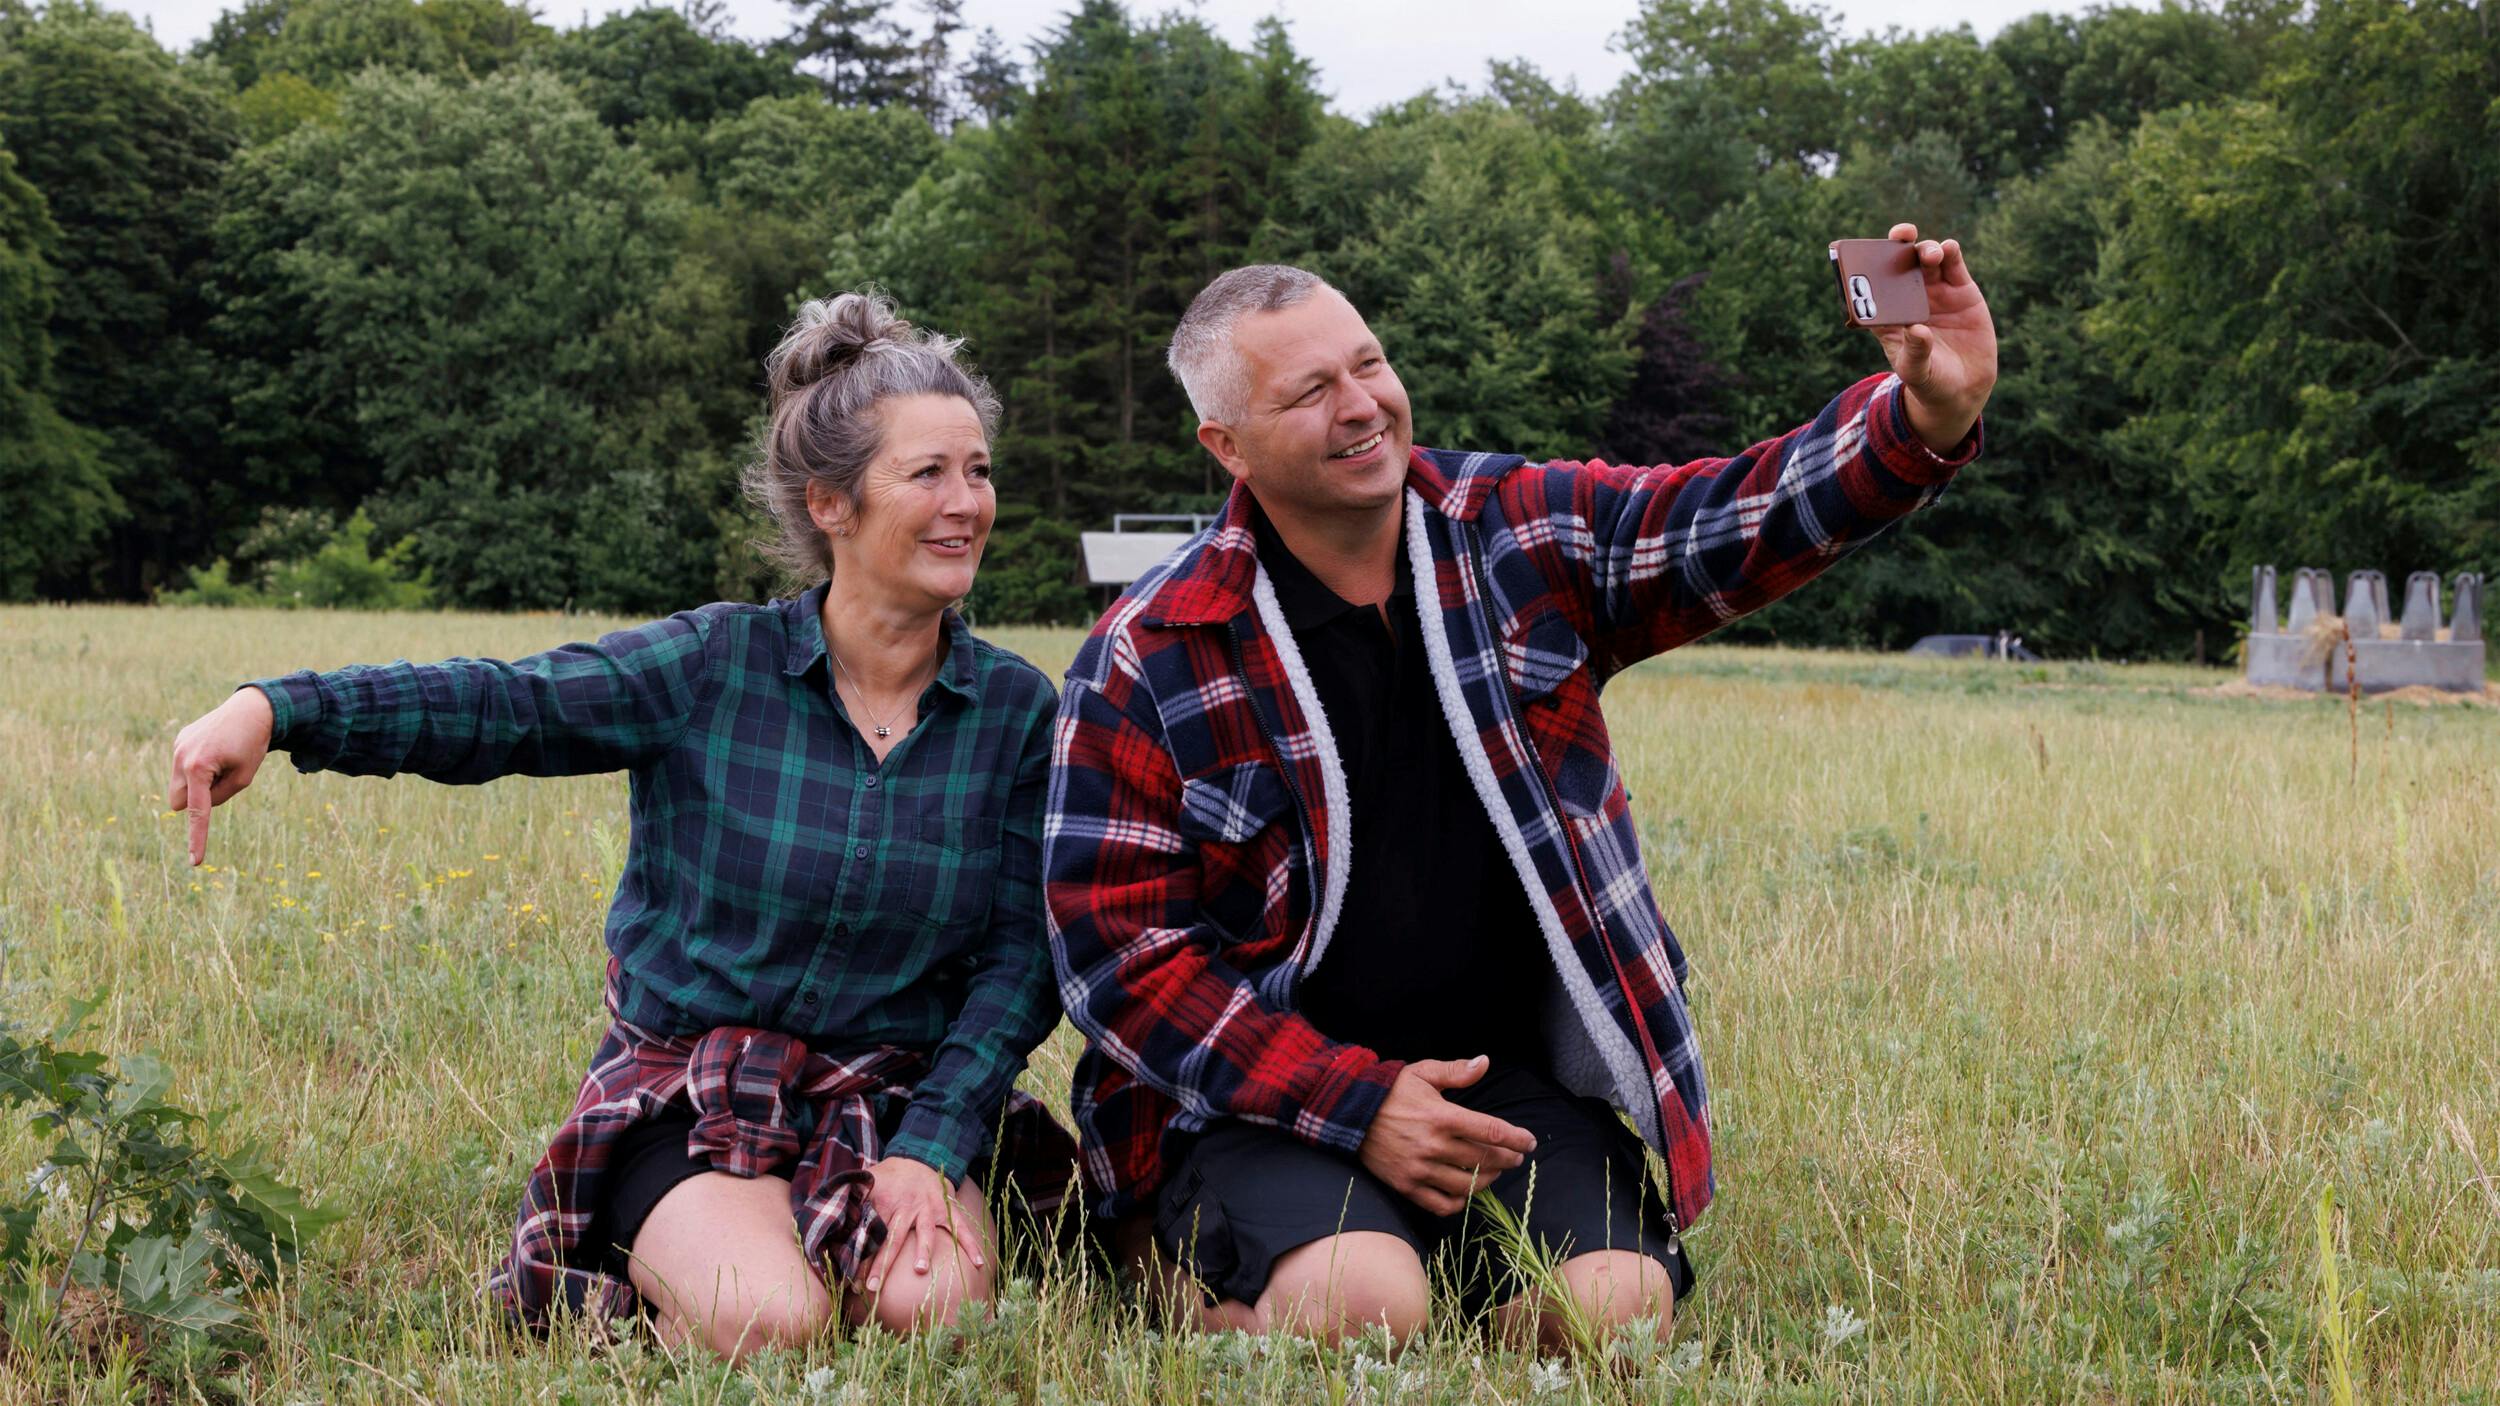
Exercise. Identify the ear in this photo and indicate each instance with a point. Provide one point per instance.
(833, 514)
(1220, 441)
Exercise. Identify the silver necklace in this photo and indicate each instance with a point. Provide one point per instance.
(883, 731)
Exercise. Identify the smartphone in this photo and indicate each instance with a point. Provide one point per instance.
(1880, 282)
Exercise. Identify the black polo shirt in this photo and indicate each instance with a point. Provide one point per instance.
(1436, 953)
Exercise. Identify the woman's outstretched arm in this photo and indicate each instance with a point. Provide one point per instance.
(573, 710)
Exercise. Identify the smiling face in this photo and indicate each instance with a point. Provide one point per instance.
(1326, 428)
(925, 506)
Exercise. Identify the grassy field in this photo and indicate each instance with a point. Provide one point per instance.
(2042, 1005)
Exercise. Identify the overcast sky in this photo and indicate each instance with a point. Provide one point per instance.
(1369, 52)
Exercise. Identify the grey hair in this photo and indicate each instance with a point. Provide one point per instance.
(1203, 354)
(834, 366)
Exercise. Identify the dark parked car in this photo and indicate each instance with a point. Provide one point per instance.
(2001, 645)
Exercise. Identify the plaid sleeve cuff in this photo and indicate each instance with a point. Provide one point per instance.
(1340, 1115)
(1899, 449)
(939, 1139)
(294, 707)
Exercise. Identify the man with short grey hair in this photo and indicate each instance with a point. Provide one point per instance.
(1203, 357)
(1344, 887)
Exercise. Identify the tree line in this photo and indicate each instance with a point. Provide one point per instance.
(426, 300)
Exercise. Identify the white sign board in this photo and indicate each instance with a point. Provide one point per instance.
(1117, 558)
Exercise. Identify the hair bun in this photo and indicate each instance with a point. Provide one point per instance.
(829, 336)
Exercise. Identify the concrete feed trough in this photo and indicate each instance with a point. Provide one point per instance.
(2411, 651)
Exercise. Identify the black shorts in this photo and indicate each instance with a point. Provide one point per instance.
(650, 1159)
(1244, 1194)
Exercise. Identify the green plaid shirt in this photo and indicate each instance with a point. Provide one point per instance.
(779, 876)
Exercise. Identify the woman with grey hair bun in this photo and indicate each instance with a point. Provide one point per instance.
(826, 959)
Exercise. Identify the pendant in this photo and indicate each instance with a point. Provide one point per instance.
(885, 732)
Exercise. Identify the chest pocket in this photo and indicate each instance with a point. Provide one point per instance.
(1232, 804)
(1240, 820)
(1540, 652)
(953, 869)
(1548, 662)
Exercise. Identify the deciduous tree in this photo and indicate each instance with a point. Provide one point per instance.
(127, 151)
(55, 497)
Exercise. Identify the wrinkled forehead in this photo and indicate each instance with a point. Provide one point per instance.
(1315, 337)
(921, 425)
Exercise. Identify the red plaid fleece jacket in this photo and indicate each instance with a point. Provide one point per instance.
(1197, 841)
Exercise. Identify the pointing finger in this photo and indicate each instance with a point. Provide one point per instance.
(197, 785)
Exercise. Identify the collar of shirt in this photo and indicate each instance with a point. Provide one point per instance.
(1307, 601)
(805, 624)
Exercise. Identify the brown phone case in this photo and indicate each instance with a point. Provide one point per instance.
(1880, 282)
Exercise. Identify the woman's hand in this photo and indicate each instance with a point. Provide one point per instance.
(1948, 363)
(918, 1209)
(216, 757)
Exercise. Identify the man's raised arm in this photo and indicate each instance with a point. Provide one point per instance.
(1651, 558)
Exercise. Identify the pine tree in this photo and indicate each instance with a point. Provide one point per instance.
(860, 55)
(991, 80)
(934, 92)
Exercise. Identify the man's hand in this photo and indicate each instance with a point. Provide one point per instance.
(1433, 1152)
(1948, 363)
(217, 756)
(913, 1200)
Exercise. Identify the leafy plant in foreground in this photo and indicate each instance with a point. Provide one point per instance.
(167, 1230)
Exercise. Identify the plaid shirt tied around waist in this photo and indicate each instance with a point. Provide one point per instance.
(765, 1105)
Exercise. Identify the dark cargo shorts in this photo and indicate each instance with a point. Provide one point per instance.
(1245, 1194)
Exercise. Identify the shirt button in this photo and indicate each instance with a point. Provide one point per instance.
(872, 783)
(842, 930)
(809, 997)
(860, 853)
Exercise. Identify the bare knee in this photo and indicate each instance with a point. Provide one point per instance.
(1609, 1289)
(718, 1265)
(789, 1317)
(1344, 1285)
(910, 1301)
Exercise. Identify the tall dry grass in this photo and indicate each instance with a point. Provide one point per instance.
(2043, 1007)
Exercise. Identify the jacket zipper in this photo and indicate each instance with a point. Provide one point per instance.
(1579, 877)
(1301, 806)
